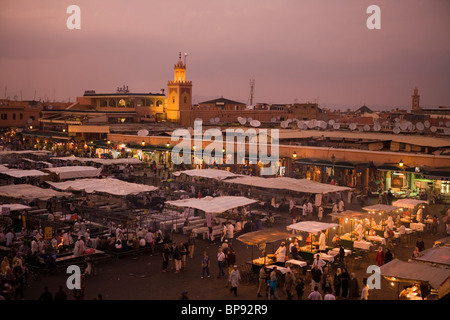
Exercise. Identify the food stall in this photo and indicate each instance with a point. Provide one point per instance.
(260, 239)
(409, 209)
(416, 280)
(310, 248)
(347, 220)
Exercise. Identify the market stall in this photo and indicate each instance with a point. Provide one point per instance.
(310, 248)
(29, 192)
(261, 239)
(409, 209)
(439, 255)
(347, 222)
(422, 281)
(207, 173)
(74, 172)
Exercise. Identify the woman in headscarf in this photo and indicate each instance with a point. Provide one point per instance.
(337, 282)
(380, 256)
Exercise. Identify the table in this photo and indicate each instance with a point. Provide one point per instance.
(377, 239)
(70, 257)
(364, 245)
(334, 252)
(416, 226)
(283, 270)
(298, 263)
(326, 257)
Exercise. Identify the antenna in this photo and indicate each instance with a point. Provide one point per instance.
(252, 87)
(185, 55)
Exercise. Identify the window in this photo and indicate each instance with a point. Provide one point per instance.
(14, 116)
(21, 116)
(112, 103)
(4, 116)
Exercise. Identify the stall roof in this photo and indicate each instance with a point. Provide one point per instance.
(263, 236)
(14, 207)
(440, 255)
(213, 205)
(29, 192)
(349, 214)
(283, 183)
(412, 271)
(101, 160)
(107, 185)
(18, 173)
(72, 172)
(381, 207)
(407, 203)
(311, 226)
(207, 173)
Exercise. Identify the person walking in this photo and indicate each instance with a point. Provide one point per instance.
(365, 290)
(345, 278)
(234, 279)
(231, 260)
(337, 282)
(288, 284)
(205, 264)
(272, 286)
(299, 288)
(220, 261)
(191, 244)
(165, 253)
(315, 294)
(353, 287)
(262, 280)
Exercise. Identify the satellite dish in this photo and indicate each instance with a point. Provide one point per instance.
(217, 120)
(396, 130)
(212, 120)
(50, 107)
(433, 129)
(142, 133)
(404, 125)
(249, 120)
(411, 127)
(366, 127)
(289, 121)
(302, 125)
(255, 123)
(336, 126)
(284, 124)
(242, 120)
(352, 126)
(426, 124)
(441, 123)
(331, 122)
(273, 120)
(322, 124)
(447, 131)
(420, 126)
(376, 126)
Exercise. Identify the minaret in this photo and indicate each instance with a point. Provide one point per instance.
(179, 96)
(415, 100)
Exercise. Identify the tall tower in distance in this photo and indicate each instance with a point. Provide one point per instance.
(415, 100)
(179, 95)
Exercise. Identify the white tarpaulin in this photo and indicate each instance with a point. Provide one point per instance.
(213, 205)
(102, 161)
(14, 207)
(29, 192)
(107, 185)
(298, 185)
(381, 207)
(18, 173)
(311, 226)
(73, 172)
(3, 168)
(407, 203)
(207, 173)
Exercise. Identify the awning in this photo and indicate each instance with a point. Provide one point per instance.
(18, 173)
(29, 192)
(207, 173)
(107, 185)
(397, 270)
(439, 255)
(73, 172)
(263, 236)
(117, 161)
(213, 205)
(349, 214)
(408, 203)
(292, 184)
(381, 207)
(88, 129)
(311, 226)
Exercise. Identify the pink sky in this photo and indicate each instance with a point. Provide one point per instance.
(296, 50)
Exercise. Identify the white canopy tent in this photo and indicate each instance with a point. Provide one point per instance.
(108, 185)
(19, 173)
(29, 192)
(311, 226)
(408, 203)
(207, 173)
(118, 161)
(72, 172)
(380, 207)
(14, 207)
(213, 205)
(292, 184)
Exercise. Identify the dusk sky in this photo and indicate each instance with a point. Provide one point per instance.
(296, 50)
